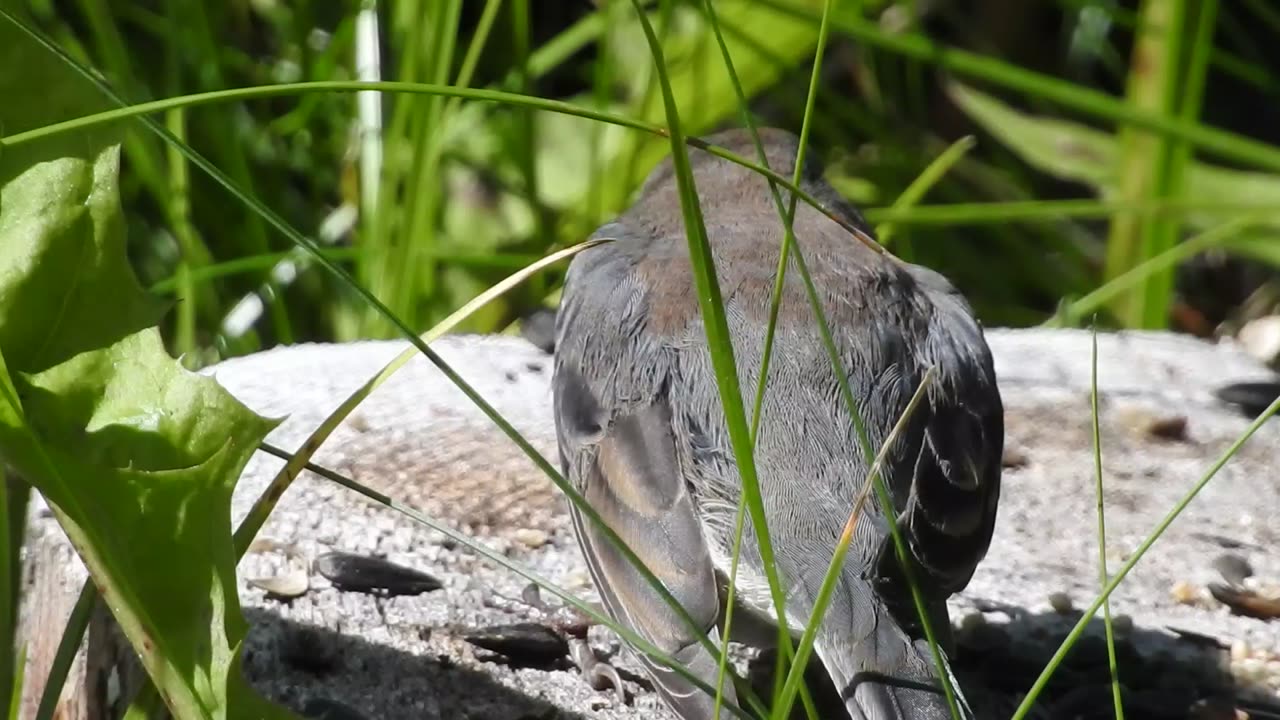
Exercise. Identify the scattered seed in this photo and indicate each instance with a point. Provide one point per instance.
(1185, 593)
(292, 584)
(525, 643)
(270, 545)
(358, 422)
(1233, 568)
(362, 573)
(530, 537)
(1246, 602)
(1014, 459)
(1252, 398)
(1240, 650)
(1172, 428)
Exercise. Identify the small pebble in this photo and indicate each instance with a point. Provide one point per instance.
(1172, 428)
(1013, 459)
(1061, 603)
(530, 537)
(1261, 339)
(972, 621)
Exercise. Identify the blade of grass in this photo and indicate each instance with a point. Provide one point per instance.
(1185, 93)
(797, 663)
(786, 216)
(266, 502)
(825, 591)
(10, 583)
(1072, 313)
(302, 241)
(715, 326)
(1054, 210)
(786, 654)
(919, 187)
(1144, 171)
(141, 110)
(1225, 144)
(1038, 686)
(19, 680)
(480, 548)
(1102, 524)
(68, 646)
(261, 262)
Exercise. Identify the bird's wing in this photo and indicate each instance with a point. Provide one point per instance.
(954, 470)
(617, 448)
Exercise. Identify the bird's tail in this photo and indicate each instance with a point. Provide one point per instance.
(889, 677)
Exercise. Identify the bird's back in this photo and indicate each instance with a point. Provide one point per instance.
(889, 322)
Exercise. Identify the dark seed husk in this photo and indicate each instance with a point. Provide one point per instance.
(526, 643)
(362, 573)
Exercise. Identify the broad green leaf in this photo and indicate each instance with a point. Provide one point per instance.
(1073, 151)
(54, 194)
(137, 456)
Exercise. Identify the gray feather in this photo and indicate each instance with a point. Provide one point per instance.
(638, 411)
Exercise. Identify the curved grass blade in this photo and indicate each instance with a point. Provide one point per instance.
(714, 323)
(65, 655)
(257, 515)
(501, 559)
(1038, 686)
(301, 240)
(1102, 523)
(1072, 313)
(921, 185)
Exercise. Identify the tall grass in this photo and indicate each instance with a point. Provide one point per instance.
(427, 201)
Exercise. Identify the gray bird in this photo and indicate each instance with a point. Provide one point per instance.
(642, 433)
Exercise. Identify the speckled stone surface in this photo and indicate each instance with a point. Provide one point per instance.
(419, 440)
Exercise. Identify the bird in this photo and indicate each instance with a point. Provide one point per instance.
(642, 435)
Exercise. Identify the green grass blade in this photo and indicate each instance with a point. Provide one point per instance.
(1098, 104)
(1072, 313)
(266, 502)
(68, 646)
(715, 324)
(307, 243)
(1038, 686)
(920, 186)
(1102, 523)
(500, 558)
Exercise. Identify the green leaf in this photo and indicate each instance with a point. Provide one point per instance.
(1073, 151)
(137, 456)
(65, 283)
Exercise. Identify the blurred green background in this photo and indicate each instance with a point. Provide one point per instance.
(1107, 133)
